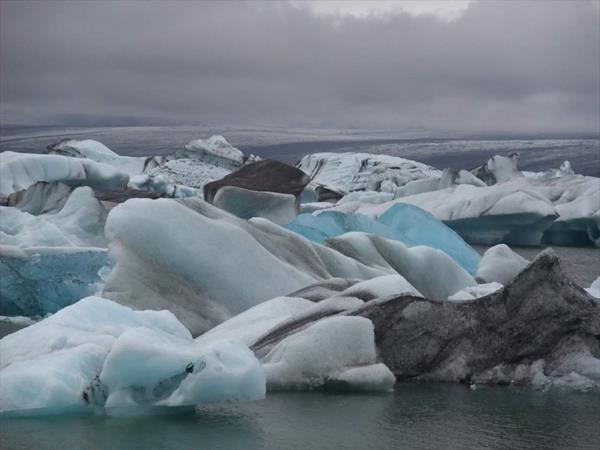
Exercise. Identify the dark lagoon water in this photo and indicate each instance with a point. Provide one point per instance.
(414, 416)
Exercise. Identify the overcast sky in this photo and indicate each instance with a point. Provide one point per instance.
(465, 66)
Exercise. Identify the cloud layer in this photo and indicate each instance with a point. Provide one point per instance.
(508, 66)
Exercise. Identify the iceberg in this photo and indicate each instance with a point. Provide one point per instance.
(98, 355)
(500, 264)
(431, 272)
(51, 260)
(513, 212)
(97, 151)
(333, 353)
(190, 269)
(18, 171)
(402, 222)
(363, 171)
(214, 150)
(245, 204)
(41, 280)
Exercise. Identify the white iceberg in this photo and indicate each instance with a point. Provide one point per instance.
(431, 272)
(97, 354)
(500, 264)
(334, 353)
(18, 171)
(363, 171)
(215, 150)
(212, 265)
(244, 203)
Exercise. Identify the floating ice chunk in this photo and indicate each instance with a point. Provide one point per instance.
(323, 352)
(406, 223)
(40, 280)
(513, 212)
(214, 150)
(18, 171)
(150, 367)
(189, 270)
(245, 204)
(80, 223)
(504, 168)
(500, 264)
(472, 292)
(374, 377)
(363, 171)
(432, 272)
(594, 288)
(173, 176)
(97, 151)
(97, 353)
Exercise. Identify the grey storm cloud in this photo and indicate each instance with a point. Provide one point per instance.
(499, 66)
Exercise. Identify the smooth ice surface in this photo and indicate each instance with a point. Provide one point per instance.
(98, 353)
(500, 264)
(406, 223)
(97, 151)
(472, 292)
(251, 324)
(381, 287)
(594, 288)
(18, 171)
(245, 204)
(206, 265)
(323, 354)
(432, 272)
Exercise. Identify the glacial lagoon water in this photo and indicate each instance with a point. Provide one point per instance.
(415, 416)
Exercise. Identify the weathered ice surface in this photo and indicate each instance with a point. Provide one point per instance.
(245, 204)
(18, 171)
(363, 171)
(211, 265)
(540, 329)
(39, 198)
(270, 176)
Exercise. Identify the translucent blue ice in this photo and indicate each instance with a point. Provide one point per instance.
(402, 222)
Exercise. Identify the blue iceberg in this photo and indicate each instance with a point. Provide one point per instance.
(402, 222)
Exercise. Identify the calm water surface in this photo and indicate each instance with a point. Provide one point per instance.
(425, 416)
